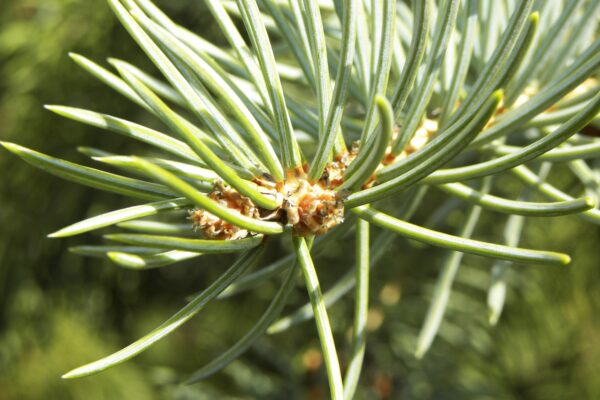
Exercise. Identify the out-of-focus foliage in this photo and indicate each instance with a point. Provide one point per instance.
(34, 39)
(544, 347)
(37, 336)
(56, 307)
(58, 310)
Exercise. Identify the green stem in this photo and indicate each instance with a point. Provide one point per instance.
(322, 320)
(361, 308)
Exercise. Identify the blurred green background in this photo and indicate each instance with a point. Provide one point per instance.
(58, 310)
